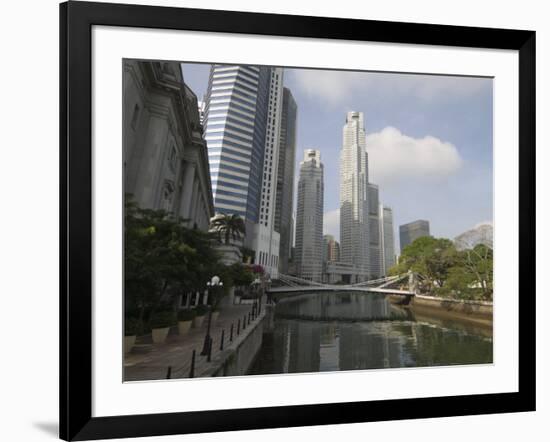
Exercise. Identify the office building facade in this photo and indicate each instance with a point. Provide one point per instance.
(354, 213)
(375, 254)
(309, 217)
(285, 178)
(387, 240)
(412, 231)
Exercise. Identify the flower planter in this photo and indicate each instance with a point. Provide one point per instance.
(184, 326)
(129, 342)
(197, 322)
(159, 335)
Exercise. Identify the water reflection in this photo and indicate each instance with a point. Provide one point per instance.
(356, 331)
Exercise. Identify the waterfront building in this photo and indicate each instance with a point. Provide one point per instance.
(285, 179)
(242, 120)
(354, 213)
(309, 217)
(411, 231)
(165, 156)
(375, 252)
(387, 240)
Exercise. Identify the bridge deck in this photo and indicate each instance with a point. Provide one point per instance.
(340, 288)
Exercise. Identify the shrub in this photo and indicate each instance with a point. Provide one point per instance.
(162, 319)
(186, 315)
(132, 326)
(201, 309)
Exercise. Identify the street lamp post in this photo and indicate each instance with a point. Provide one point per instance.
(215, 282)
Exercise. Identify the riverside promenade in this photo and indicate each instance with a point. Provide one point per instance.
(149, 361)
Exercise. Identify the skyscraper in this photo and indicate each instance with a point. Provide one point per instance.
(266, 239)
(411, 231)
(387, 240)
(354, 213)
(242, 121)
(375, 254)
(309, 217)
(285, 178)
(235, 131)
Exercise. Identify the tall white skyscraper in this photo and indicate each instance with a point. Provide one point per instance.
(266, 239)
(387, 239)
(354, 213)
(309, 217)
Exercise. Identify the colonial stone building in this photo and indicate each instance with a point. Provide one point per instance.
(165, 156)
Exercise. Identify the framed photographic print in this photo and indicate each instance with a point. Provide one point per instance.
(273, 220)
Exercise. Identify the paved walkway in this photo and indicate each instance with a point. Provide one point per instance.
(150, 362)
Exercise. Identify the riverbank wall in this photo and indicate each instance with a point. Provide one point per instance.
(237, 358)
(475, 312)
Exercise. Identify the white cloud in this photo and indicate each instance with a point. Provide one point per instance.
(339, 87)
(331, 223)
(394, 156)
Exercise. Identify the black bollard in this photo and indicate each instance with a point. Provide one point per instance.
(231, 333)
(221, 342)
(238, 326)
(192, 370)
(169, 372)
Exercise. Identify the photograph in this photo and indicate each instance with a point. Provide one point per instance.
(295, 220)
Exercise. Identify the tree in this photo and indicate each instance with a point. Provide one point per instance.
(446, 271)
(162, 259)
(228, 227)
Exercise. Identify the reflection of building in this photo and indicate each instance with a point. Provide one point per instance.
(354, 215)
(411, 231)
(481, 234)
(165, 157)
(387, 241)
(242, 120)
(375, 267)
(309, 217)
(285, 178)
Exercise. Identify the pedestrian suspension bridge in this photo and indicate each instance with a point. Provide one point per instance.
(404, 285)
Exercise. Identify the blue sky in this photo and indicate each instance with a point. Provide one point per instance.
(429, 140)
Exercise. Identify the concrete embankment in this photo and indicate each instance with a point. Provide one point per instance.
(479, 313)
(237, 358)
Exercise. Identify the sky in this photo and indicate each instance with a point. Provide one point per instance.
(429, 140)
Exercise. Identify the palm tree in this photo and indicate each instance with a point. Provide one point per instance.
(230, 226)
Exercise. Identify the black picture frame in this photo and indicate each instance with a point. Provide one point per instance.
(76, 21)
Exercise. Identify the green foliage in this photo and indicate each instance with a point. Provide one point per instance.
(186, 315)
(228, 227)
(163, 258)
(132, 326)
(162, 319)
(446, 271)
(201, 309)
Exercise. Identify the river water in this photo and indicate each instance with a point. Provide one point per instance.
(347, 331)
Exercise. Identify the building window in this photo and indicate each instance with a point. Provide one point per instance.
(135, 117)
(167, 195)
(173, 158)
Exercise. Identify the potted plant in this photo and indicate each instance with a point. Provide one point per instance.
(185, 319)
(160, 326)
(201, 311)
(131, 328)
